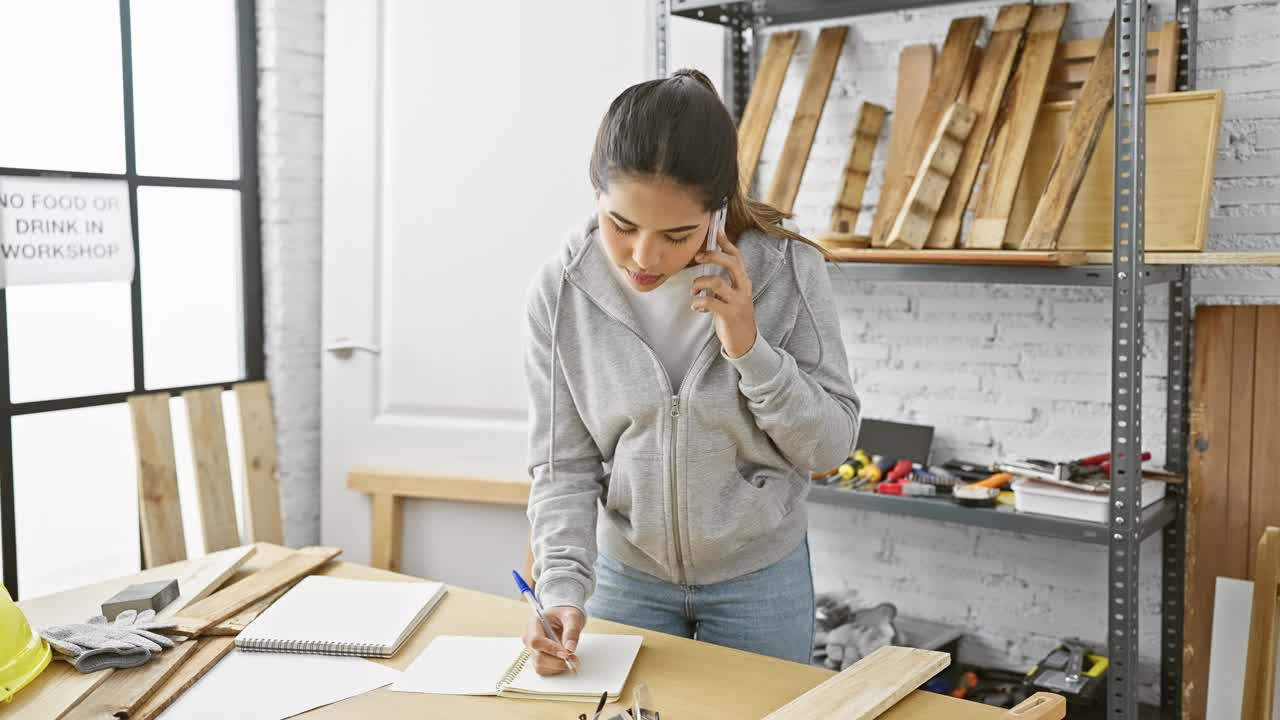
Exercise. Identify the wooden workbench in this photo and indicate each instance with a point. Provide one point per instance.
(688, 679)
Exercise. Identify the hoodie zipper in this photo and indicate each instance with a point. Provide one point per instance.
(675, 406)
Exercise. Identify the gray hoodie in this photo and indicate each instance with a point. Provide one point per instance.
(701, 483)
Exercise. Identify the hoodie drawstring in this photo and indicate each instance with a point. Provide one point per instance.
(555, 322)
(813, 320)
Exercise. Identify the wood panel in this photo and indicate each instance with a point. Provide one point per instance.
(1265, 498)
(261, 497)
(1258, 699)
(804, 125)
(1088, 114)
(944, 89)
(1071, 63)
(915, 66)
(159, 509)
(994, 202)
(866, 133)
(1182, 145)
(216, 502)
(920, 207)
(387, 531)
(868, 688)
(1235, 475)
(1207, 500)
(754, 126)
(985, 98)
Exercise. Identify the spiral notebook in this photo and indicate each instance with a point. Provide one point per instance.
(468, 665)
(341, 616)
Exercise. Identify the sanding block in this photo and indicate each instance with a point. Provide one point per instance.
(142, 596)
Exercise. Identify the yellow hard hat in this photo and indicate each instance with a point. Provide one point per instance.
(23, 654)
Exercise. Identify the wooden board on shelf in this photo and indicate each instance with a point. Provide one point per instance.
(1182, 146)
(866, 132)
(1084, 127)
(911, 228)
(804, 125)
(1027, 258)
(985, 98)
(944, 89)
(754, 125)
(991, 205)
(915, 66)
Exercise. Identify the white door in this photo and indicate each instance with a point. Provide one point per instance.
(457, 137)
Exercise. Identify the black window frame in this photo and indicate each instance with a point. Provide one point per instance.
(251, 261)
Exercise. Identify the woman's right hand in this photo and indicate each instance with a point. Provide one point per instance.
(549, 657)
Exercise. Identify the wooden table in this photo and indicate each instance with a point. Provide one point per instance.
(688, 679)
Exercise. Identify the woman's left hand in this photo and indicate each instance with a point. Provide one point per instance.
(730, 300)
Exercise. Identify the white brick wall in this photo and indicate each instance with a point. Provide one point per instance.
(291, 81)
(1017, 370)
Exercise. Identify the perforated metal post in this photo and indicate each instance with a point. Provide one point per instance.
(738, 63)
(1126, 358)
(662, 23)
(1177, 430)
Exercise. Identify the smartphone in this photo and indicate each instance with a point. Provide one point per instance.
(713, 244)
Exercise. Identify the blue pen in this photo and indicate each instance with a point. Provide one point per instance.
(537, 609)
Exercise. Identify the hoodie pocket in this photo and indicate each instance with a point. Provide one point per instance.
(725, 509)
(635, 504)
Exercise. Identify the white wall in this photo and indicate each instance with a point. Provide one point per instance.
(290, 122)
(1011, 370)
(998, 369)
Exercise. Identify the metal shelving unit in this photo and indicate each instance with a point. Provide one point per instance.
(1127, 276)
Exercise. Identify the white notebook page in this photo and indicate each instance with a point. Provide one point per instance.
(343, 610)
(605, 662)
(460, 665)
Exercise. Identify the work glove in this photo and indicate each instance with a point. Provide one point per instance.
(96, 644)
(866, 631)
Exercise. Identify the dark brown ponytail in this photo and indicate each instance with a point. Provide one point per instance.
(678, 128)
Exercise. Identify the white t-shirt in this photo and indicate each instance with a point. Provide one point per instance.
(675, 331)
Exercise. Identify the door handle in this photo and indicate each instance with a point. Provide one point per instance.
(346, 346)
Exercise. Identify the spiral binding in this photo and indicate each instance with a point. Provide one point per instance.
(516, 666)
(312, 647)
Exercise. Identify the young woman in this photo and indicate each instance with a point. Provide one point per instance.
(709, 410)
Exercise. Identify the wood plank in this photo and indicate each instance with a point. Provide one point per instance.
(804, 125)
(238, 622)
(1168, 44)
(868, 688)
(1265, 505)
(1207, 501)
(944, 89)
(1194, 258)
(1236, 475)
(754, 126)
(1258, 698)
(221, 605)
(1041, 706)
(970, 75)
(866, 133)
(125, 690)
(1000, 181)
(911, 228)
(1182, 142)
(1027, 258)
(1086, 49)
(439, 487)
(212, 469)
(915, 67)
(830, 240)
(159, 510)
(985, 98)
(261, 497)
(1084, 128)
(387, 532)
(210, 572)
(207, 654)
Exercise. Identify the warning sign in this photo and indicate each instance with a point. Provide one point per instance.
(57, 230)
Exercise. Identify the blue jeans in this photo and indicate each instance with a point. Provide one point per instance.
(769, 611)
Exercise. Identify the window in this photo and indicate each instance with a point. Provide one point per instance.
(157, 98)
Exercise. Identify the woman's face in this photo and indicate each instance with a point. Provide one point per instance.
(651, 228)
